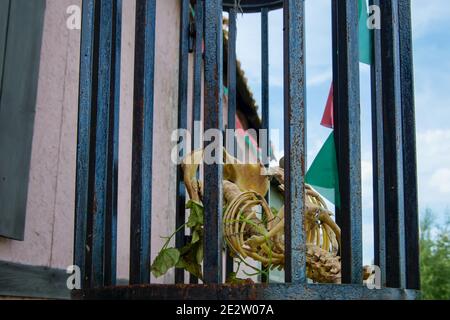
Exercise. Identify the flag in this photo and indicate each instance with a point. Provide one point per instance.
(328, 116)
(323, 173)
(365, 56)
(365, 35)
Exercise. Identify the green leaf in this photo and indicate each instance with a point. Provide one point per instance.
(196, 217)
(166, 259)
(199, 254)
(191, 267)
(233, 279)
(195, 237)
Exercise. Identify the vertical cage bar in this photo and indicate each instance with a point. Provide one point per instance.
(348, 136)
(213, 120)
(232, 92)
(197, 82)
(264, 144)
(180, 238)
(198, 67)
(336, 68)
(103, 211)
(409, 147)
(393, 146)
(295, 139)
(142, 158)
(265, 79)
(113, 149)
(378, 155)
(85, 123)
(232, 98)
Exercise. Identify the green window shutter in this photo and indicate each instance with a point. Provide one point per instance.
(21, 26)
(4, 14)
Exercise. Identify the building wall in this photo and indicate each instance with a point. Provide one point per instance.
(51, 192)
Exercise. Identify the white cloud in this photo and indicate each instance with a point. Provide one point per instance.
(441, 180)
(320, 78)
(318, 44)
(427, 15)
(433, 152)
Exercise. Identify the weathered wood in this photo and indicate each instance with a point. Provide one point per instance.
(17, 110)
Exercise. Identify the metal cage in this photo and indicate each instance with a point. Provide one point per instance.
(395, 182)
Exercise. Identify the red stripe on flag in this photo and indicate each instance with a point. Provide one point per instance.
(328, 117)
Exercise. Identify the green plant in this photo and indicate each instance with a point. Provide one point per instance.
(188, 257)
(435, 257)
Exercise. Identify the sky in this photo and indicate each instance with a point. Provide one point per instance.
(431, 45)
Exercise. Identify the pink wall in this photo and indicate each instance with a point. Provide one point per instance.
(50, 208)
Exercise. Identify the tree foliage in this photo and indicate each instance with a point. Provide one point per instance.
(435, 257)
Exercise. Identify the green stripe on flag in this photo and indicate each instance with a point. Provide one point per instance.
(323, 173)
(365, 35)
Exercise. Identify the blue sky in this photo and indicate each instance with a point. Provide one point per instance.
(431, 37)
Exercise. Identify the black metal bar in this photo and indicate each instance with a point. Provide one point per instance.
(213, 120)
(198, 68)
(197, 82)
(232, 99)
(232, 90)
(378, 155)
(409, 147)
(106, 109)
(85, 123)
(142, 163)
(264, 139)
(393, 146)
(348, 136)
(265, 83)
(180, 219)
(113, 150)
(336, 68)
(295, 139)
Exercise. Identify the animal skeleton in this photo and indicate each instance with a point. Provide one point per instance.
(252, 230)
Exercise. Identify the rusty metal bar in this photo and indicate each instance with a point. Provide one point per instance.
(264, 140)
(85, 127)
(348, 135)
(265, 84)
(180, 219)
(393, 146)
(113, 150)
(247, 292)
(378, 155)
(295, 139)
(232, 91)
(100, 153)
(409, 147)
(198, 68)
(197, 82)
(142, 162)
(102, 73)
(213, 203)
(232, 98)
